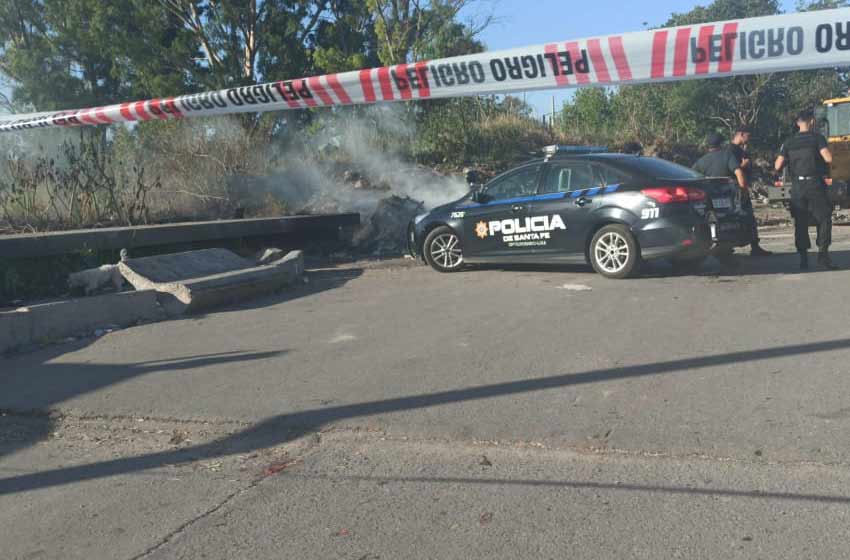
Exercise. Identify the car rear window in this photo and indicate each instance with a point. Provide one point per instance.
(659, 168)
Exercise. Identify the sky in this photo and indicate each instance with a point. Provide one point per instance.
(532, 22)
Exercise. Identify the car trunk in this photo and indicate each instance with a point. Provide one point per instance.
(723, 196)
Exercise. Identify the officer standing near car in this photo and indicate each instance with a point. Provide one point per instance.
(721, 162)
(738, 147)
(807, 156)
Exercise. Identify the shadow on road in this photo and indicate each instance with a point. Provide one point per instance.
(286, 427)
(779, 263)
(44, 386)
(617, 487)
(776, 264)
(53, 383)
(48, 384)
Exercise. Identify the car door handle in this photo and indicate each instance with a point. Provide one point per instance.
(518, 208)
(583, 201)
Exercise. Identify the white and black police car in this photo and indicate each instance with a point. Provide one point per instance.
(580, 204)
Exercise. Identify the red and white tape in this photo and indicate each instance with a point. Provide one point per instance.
(759, 45)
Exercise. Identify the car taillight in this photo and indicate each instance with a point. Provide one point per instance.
(778, 184)
(666, 195)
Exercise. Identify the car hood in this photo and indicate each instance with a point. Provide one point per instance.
(449, 207)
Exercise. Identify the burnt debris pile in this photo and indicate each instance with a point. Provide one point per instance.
(385, 232)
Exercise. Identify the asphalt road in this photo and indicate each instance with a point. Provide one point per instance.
(387, 411)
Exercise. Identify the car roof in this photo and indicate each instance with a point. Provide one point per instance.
(600, 156)
(579, 157)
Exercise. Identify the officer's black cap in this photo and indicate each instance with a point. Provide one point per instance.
(714, 140)
(805, 115)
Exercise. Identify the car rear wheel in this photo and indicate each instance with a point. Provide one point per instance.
(614, 253)
(443, 250)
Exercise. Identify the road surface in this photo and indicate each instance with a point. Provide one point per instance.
(388, 411)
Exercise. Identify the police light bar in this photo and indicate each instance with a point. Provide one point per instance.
(558, 149)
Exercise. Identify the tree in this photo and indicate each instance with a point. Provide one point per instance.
(241, 41)
(412, 29)
(803, 6)
(60, 53)
(588, 111)
(346, 39)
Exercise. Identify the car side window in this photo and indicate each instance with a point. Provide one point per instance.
(522, 182)
(613, 176)
(570, 176)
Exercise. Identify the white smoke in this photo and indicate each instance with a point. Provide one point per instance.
(365, 143)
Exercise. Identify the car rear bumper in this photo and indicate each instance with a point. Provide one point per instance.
(685, 237)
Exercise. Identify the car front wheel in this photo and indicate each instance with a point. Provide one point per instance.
(614, 253)
(443, 250)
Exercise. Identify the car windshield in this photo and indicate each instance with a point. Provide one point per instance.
(659, 168)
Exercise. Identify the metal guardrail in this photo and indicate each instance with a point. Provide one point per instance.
(33, 245)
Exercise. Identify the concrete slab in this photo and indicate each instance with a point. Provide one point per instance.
(145, 272)
(197, 280)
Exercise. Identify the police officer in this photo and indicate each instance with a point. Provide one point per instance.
(632, 148)
(738, 147)
(807, 156)
(721, 162)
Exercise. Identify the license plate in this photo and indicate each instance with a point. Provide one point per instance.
(720, 203)
(728, 227)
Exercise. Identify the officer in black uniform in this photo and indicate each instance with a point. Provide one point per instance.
(738, 147)
(807, 156)
(721, 162)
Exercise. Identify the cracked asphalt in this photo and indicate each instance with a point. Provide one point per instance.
(387, 411)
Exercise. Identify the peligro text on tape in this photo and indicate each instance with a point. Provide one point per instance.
(800, 41)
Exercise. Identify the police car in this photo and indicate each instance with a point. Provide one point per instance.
(583, 205)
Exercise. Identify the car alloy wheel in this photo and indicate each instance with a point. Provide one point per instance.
(445, 251)
(614, 253)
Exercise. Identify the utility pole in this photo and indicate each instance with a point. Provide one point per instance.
(553, 112)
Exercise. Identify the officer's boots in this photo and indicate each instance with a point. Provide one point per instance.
(759, 251)
(825, 262)
(804, 260)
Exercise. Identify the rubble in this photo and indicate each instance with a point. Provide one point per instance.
(94, 280)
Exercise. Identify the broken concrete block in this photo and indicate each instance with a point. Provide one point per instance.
(185, 288)
(268, 256)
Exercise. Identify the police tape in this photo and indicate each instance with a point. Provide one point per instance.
(799, 41)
